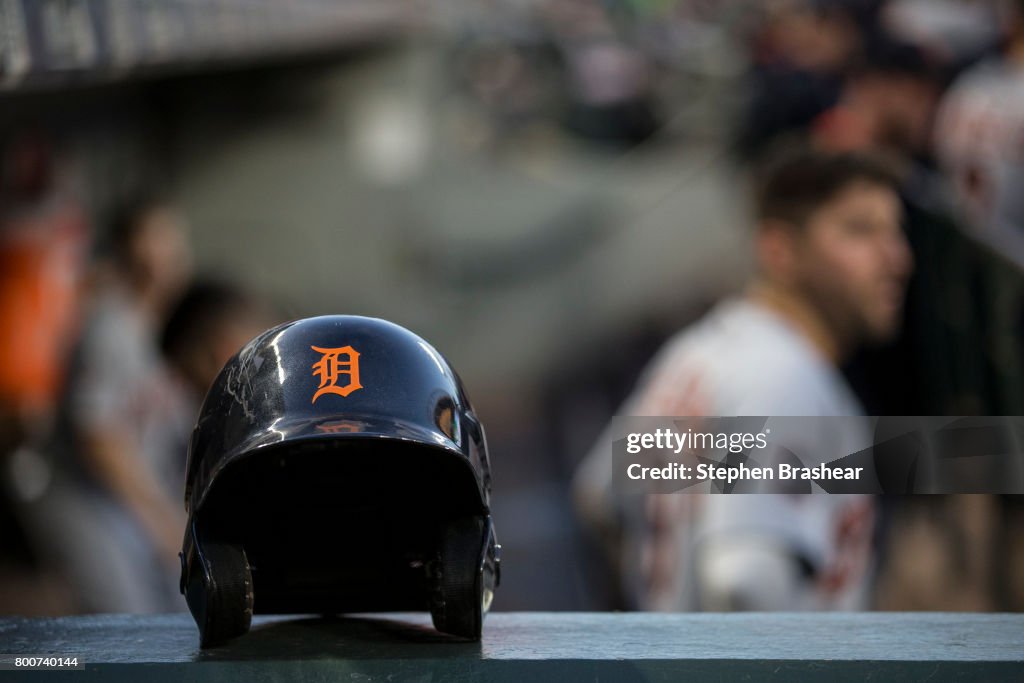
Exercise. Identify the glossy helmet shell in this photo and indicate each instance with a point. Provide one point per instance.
(338, 466)
(270, 394)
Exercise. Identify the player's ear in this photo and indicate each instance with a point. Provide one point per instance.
(776, 248)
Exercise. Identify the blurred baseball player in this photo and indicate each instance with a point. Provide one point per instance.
(110, 521)
(978, 134)
(832, 264)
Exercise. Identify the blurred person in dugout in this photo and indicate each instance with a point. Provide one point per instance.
(832, 264)
(887, 102)
(44, 236)
(979, 134)
(209, 324)
(111, 521)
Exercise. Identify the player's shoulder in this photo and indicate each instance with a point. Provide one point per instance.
(986, 73)
(753, 362)
(981, 85)
(741, 333)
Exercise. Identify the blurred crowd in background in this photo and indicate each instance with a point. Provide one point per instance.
(547, 190)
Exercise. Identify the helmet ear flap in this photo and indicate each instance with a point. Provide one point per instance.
(217, 583)
(457, 604)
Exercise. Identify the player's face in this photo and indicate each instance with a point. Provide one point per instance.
(161, 251)
(853, 262)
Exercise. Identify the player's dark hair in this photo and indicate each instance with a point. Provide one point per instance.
(205, 306)
(888, 57)
(798, 180)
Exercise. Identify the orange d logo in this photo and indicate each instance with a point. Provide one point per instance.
(333, 364)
